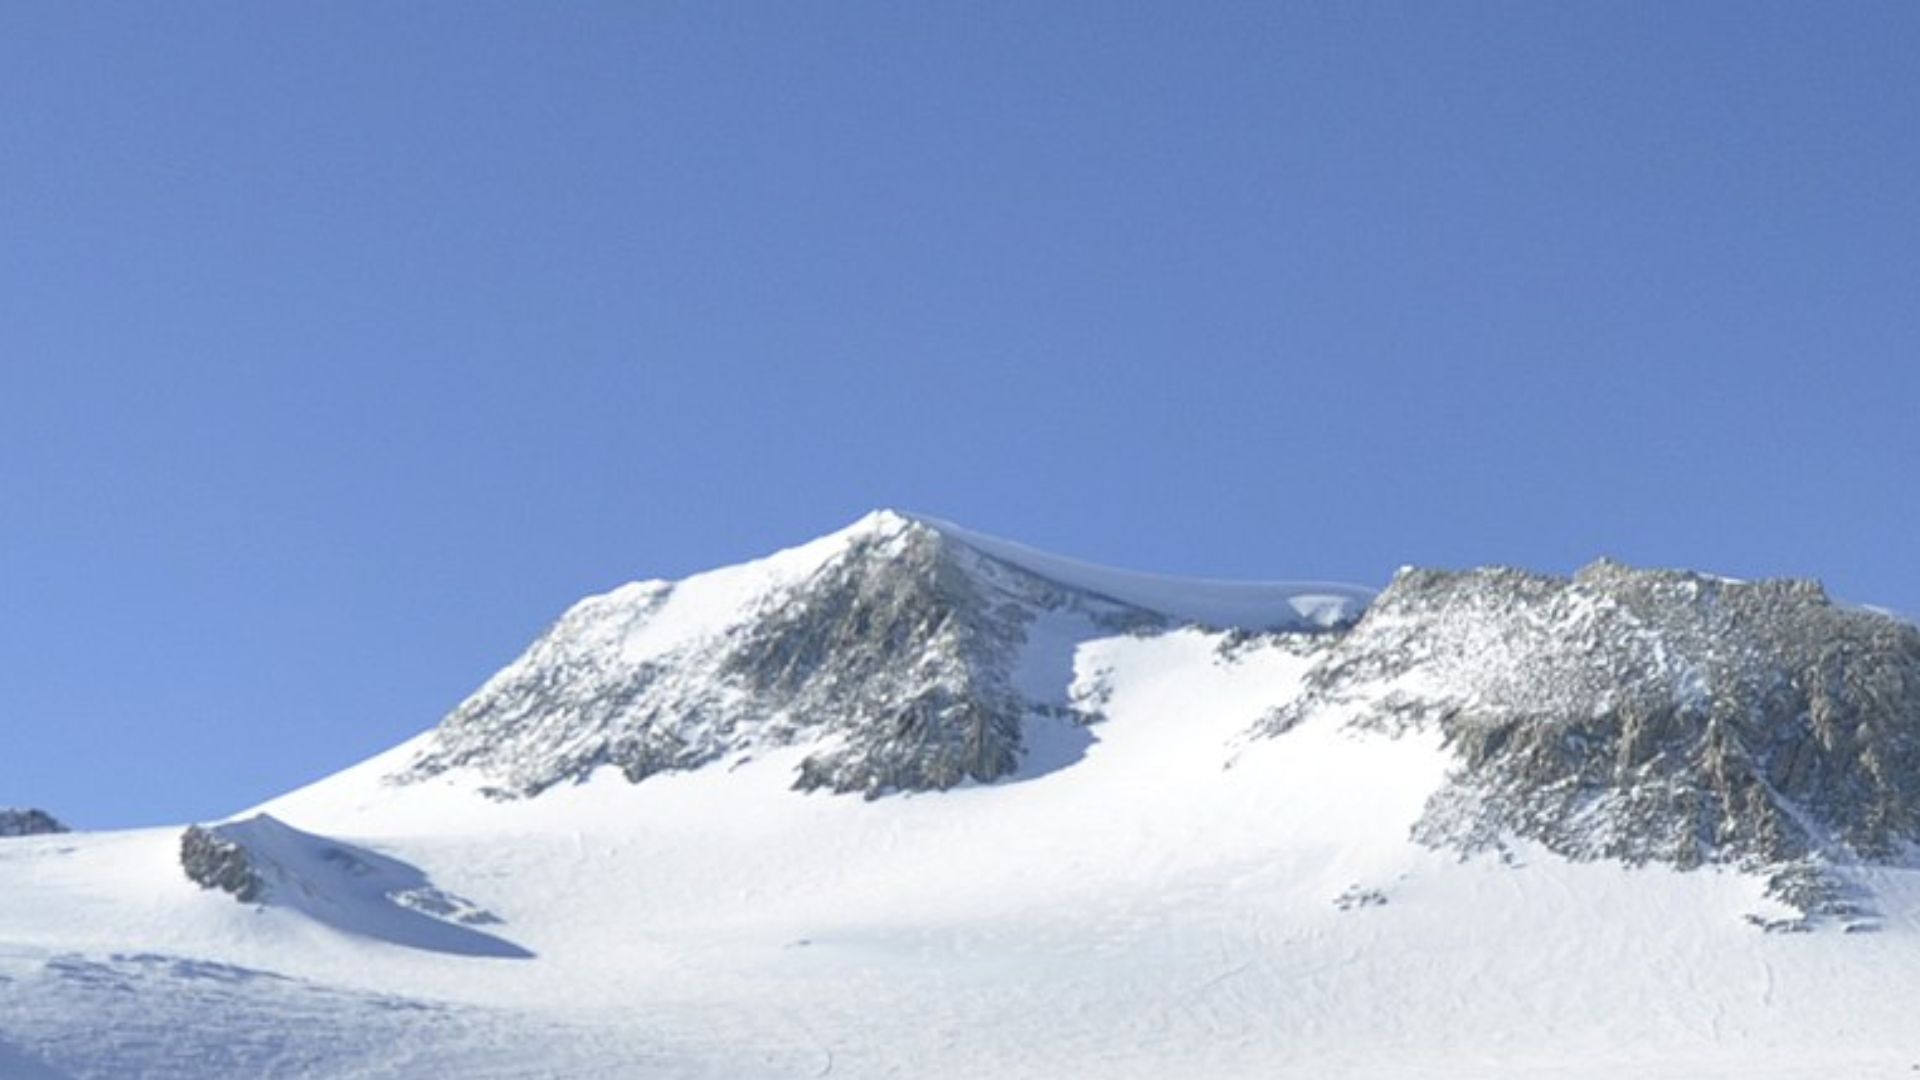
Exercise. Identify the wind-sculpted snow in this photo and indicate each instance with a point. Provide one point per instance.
(339, 885)
(1248, 605)
(899, 652)
(1646, 715)
(156, 1016)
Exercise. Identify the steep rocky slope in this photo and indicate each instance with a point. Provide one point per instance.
(1645, 715)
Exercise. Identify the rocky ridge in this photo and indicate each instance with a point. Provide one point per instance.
(1645, 715)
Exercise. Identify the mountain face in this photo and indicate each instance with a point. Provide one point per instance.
(1644, 715)
(908, 655)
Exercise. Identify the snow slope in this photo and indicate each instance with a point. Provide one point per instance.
(1180, 899)
(1254, 605)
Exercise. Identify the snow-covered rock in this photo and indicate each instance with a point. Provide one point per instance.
(28, 822)
(212, 861)
(1644, 715)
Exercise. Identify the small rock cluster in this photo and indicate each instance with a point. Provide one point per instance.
(28, 823)
(1355, 897)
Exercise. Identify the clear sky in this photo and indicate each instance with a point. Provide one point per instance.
(343, 346)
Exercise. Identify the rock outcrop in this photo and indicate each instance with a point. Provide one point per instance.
(355, 890)
(28, 822)
(212, 861)
(1644, 715)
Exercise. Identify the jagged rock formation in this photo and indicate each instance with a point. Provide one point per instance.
(903, 649)
(28, 822)
(894, 649)
(1644, 715)
(212, 861)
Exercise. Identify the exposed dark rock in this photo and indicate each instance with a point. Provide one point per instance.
(904, 655)
(28, 823)
(1645, 715)
(1355, 898)
(215, 862)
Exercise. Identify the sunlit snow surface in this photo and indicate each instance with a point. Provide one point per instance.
(1179, 901)
(1209, 603)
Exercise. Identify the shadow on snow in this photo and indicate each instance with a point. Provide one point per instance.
(361, 892)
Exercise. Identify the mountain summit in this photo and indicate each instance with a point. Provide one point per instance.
(909, 653)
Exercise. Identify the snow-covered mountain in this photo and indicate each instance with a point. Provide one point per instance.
(905, 654)
(1489, 823)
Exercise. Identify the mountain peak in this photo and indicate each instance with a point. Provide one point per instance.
(902, 645)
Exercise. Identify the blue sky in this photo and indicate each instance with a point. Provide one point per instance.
(342, 346)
